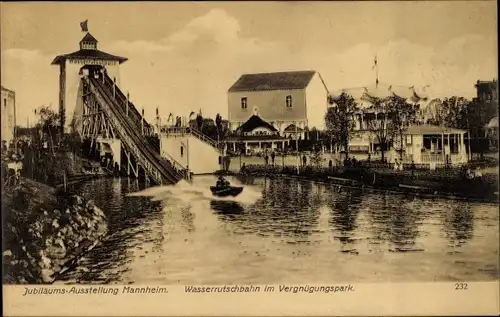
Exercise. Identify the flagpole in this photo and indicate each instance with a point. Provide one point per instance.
(375, 65)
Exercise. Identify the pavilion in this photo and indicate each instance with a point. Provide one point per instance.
(256, 135)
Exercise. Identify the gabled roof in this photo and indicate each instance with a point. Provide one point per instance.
(292, 128)
(273, 81)
(256, 137)
(431, 129)
(8, 90)
(89, 54)
(89, 38)
(255, 122)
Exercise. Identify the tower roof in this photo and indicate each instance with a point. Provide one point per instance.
(89, 38)
(88, 49)
(95, 54)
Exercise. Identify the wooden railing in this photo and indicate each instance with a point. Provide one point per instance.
(194, 132)
(432, 158)
(157, 167)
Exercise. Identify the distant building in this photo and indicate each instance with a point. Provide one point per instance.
(256, 136)
(487, 91)
(8, 114)
(284, 99)
(364, 142)
(433, 145)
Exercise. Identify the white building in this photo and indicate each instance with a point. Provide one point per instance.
(256, 136)
(433, 145)
(283, 99)
(8, 114)
(364, 141)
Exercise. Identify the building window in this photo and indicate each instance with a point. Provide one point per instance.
(244, 103)
(408, 139)
(182, 151)
(288, 101)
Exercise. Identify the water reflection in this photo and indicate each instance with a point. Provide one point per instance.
(458, 223)
(351, 234)
(395, 221)
(344, 213)
(287, 209)
(403, 226)
(127, 229)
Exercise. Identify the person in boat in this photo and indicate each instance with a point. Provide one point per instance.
(221, 182)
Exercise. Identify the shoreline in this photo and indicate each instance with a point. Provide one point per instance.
(46, 231)
(383, 180)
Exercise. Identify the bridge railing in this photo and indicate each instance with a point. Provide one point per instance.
(203, 137)
(192, 131)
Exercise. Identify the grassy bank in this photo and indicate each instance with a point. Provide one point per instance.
(45, 230)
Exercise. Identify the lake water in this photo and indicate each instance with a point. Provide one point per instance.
(284, 231)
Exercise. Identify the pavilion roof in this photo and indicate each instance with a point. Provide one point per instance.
(365, 96)
(422, 129)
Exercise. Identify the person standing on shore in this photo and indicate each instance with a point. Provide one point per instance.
(273, 156)
(304, 160)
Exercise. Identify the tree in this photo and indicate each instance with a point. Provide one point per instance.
(400, 114)
(339, 120)
(199, 121)
(379, 125)
(449, 112)
(48, 123)
(209, 128)
(72, 142)
(316, 157)
(218, 125)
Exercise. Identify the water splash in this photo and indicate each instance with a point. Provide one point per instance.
(199, 190)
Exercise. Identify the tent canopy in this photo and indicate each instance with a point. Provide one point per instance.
(365, 95)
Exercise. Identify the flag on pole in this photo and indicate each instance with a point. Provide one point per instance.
(157, 111)
(84, 26)
(191, 114)
(170, 116)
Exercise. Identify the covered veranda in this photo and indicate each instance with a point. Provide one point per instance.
(253, 144)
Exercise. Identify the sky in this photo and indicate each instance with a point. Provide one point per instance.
(184, 56)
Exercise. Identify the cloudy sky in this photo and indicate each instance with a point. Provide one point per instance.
(184, 56)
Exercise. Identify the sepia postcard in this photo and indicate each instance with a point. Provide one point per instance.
(291, 158)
